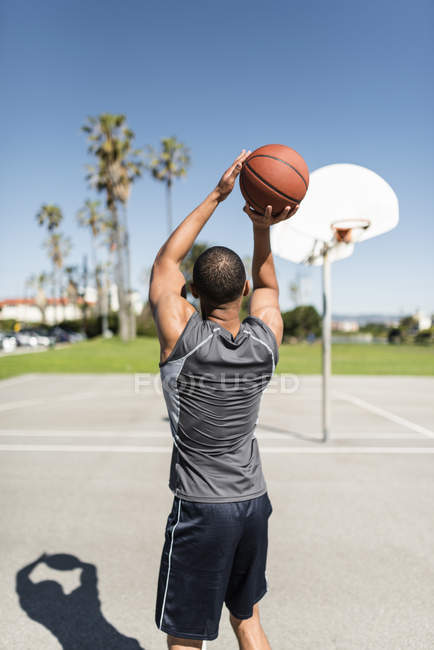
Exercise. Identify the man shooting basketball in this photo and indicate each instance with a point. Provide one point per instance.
(214, 369)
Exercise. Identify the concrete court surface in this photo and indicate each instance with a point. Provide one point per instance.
(84, 468)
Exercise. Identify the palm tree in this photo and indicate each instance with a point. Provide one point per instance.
(187, 263)
(38, 282)
(109, 240)
(72, 285)
(51, 216)
(90, 216)
(118, 165)
(169, 163)
(58, 247)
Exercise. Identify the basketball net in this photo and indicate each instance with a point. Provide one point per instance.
(349, 231)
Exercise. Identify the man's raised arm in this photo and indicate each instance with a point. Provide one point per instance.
(264, 303)
(170, 309)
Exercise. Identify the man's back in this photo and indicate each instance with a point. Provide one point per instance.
(213, 384)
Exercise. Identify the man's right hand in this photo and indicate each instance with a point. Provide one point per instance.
(266, 220)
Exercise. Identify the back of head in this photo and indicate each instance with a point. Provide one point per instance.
(219, 275)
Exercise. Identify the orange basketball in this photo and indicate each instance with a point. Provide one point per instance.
(274, 175)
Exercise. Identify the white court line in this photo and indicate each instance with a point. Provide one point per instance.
(385, 414)
(347, 450)
(268, 435)
(22, 433)
(142, 449)
(335, 435)
(20, 404)
(46, 433)
(117, 449)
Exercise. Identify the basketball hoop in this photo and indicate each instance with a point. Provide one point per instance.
(319, 235)
(348, 231)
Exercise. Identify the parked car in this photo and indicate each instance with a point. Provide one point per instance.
(77, 337)
(26, 337)
(44, 337)
(60, 335)
(8, 342)
(63, 335)
(34, 337)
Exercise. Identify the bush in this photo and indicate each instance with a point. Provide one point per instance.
(302, 322)
(424, 337)
(408, 326)
(145, 325)
(7, 325)
(394, 335)
(91, 326)
(376, 329)
(71, 325)
(146, 330)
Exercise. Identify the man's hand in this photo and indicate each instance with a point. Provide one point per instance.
(227, 181)
(266, 220)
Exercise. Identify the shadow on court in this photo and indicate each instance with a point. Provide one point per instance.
(74, 618)
(291, 434)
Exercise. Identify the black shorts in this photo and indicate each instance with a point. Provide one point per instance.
(213, 553)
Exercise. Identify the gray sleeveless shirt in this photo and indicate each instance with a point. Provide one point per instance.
(212, 384)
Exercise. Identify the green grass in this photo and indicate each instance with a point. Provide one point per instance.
(142, 355)
(363, 359)
(96, 355)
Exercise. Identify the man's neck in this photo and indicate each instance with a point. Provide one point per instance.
(227, 316)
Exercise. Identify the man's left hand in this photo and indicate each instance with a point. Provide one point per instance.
(266, 219)
(227, 181)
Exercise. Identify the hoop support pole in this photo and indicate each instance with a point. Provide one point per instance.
(326, 344)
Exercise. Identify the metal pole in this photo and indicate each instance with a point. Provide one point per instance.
(326, 345)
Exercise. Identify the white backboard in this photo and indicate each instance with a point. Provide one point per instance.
(336, 192)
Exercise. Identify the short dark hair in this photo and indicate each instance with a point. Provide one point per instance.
(219, 275)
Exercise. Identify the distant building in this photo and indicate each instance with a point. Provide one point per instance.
(423, 321)
(26, 310)
(32, 310)
(136, 298)
(345, 326)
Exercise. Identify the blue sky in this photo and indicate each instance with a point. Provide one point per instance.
(338, 81)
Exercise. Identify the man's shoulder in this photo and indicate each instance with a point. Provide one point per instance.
(263, 333)
(193, 334)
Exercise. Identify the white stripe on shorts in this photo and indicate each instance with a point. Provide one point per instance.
(168, 568)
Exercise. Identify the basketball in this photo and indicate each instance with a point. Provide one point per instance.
(62, 561)
(274, 175)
